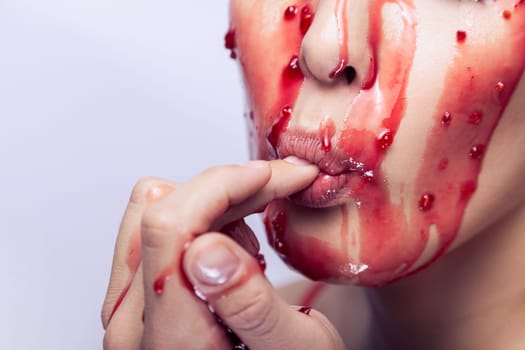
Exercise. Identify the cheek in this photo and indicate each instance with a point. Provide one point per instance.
(268, 36)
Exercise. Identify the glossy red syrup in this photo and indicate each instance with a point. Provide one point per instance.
(307, 17)
(388, 249)
(278, 128)
(446, 119)
(506, 14)
(461, 36)
(276, 225)
(158, 285)
(290, 13)
(230, 43)
(426, 202)
(292, 71)
(385, 140)
(477, 152)
(327, 131)
(475, 117)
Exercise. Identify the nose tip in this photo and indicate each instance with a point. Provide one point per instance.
(332, 51)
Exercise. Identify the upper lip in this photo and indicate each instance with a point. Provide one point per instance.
(308, 146)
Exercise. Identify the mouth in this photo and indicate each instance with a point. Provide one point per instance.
(339, 175)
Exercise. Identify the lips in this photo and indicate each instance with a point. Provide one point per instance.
(338, 176)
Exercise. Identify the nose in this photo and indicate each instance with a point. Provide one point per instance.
(335, 48)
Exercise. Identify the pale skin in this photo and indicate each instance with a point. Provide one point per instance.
(472, 297)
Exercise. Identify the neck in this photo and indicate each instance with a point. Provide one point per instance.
(473, 298)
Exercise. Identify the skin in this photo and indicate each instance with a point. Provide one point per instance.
(459, 289)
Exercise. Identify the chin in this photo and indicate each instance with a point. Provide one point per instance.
(333, 244)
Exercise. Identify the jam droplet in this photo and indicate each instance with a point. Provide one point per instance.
(475, 118)
(506, 14)
(158, 286)
(385, 140)
(230, 43)
(305, 310)
(426, 202)
(477, 152)
(307, 18)
(446, 119)
(461, 36)
(290, 12)
(293, 70)
(500, 86)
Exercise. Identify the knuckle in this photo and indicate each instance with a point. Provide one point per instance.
(258, 316)
(158, 226)
(218, 171)
(114, 340)
(140, 191)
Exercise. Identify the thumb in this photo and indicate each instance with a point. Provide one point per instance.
(239, 293)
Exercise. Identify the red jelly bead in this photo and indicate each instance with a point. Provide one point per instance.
(158, 286)
(426, 202)
(461, 36)
(446, 119)
(475, 118)
(290, 12)
(293, 70)
(230, 43)
(385, 140)
(477, 151)
(307, 18)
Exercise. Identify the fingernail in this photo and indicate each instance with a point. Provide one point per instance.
(297, 161)
(215, 267)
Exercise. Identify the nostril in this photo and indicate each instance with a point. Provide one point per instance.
(349, 74)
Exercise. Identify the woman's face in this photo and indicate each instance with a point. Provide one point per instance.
(410, 108)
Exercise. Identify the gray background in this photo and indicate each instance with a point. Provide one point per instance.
(93, 95)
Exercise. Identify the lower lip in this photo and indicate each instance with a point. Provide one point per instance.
(326, 191)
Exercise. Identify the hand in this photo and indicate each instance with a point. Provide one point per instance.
(169, 246)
